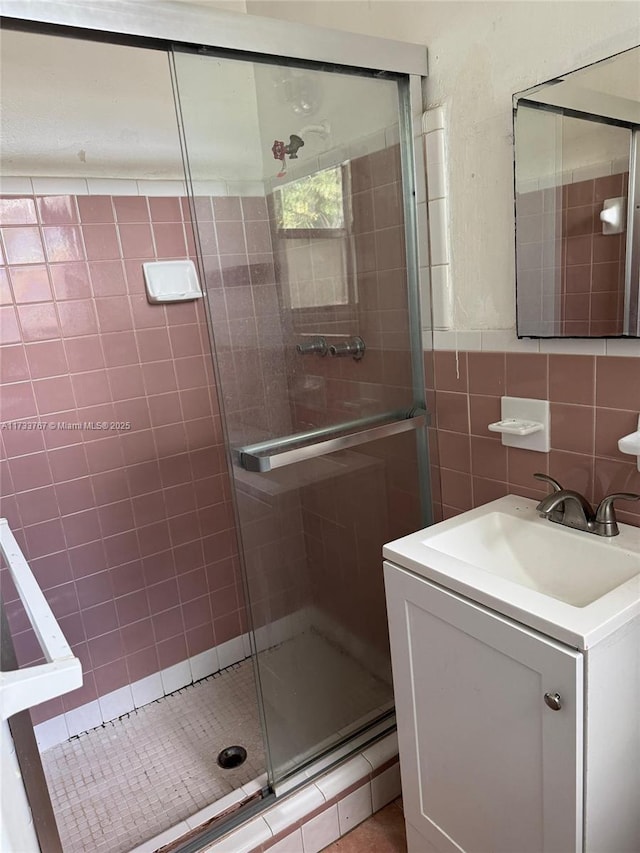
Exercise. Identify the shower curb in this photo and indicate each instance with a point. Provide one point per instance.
(324, 810)
(315, 814)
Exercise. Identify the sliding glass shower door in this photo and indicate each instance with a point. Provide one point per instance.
(298, 203)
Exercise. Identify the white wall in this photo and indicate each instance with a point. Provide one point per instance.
(78, 108)
(342, 103)
(480, 54)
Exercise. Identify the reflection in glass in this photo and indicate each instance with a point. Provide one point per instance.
(571, 275)
(577, 171)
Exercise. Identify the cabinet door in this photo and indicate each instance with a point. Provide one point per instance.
(487, 766)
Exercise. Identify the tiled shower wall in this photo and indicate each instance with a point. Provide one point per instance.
(333, 390)
(595, 400)
(346, 517)
(128, 529)
(250, 356)
(330, 390)
(312, 534)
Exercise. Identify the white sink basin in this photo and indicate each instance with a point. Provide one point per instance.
(569, 584)
(577, 569)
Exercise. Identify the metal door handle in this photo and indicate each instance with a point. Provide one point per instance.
(553, 701)
(290, 449)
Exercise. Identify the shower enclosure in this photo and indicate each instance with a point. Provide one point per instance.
(300, 213)
(310, 311)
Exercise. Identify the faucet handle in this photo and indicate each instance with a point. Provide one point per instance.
(606, 512)
(606, 515)
(556, 485)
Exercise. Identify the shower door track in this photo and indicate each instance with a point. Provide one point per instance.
(304, 775)
(171, 22)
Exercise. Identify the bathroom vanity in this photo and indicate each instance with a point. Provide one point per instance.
(516, 661)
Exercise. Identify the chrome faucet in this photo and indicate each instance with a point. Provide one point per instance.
(570, 508)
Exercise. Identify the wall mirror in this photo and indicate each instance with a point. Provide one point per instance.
(577, 202)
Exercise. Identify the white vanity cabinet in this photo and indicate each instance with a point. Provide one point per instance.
(489, 763)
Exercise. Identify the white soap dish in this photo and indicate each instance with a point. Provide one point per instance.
(631, 444)
(515, 426)
(524, 423)
(171, 281)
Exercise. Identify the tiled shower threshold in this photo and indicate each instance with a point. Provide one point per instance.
(317, 802)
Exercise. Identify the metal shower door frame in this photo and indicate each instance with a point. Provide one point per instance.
(173, 22)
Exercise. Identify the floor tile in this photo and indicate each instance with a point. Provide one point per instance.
(383, 832)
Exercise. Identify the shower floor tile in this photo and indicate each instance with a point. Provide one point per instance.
(313, 691)
(116, 786)
(123, 783)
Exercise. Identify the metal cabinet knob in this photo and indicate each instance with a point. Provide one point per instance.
(553, 700)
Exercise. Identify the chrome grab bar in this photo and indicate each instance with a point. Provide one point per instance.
(279, 452)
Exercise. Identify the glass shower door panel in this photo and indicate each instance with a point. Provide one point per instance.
(318, 596)
(297, 200)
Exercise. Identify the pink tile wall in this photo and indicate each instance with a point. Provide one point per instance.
(347, 517)
(129, 531)
(326, 390)
(235, 240)
(274, 549)
(240, 277)
(346, 520)
(343, 389)
(594, 402)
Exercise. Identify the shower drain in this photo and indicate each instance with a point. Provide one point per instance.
(232, 756)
